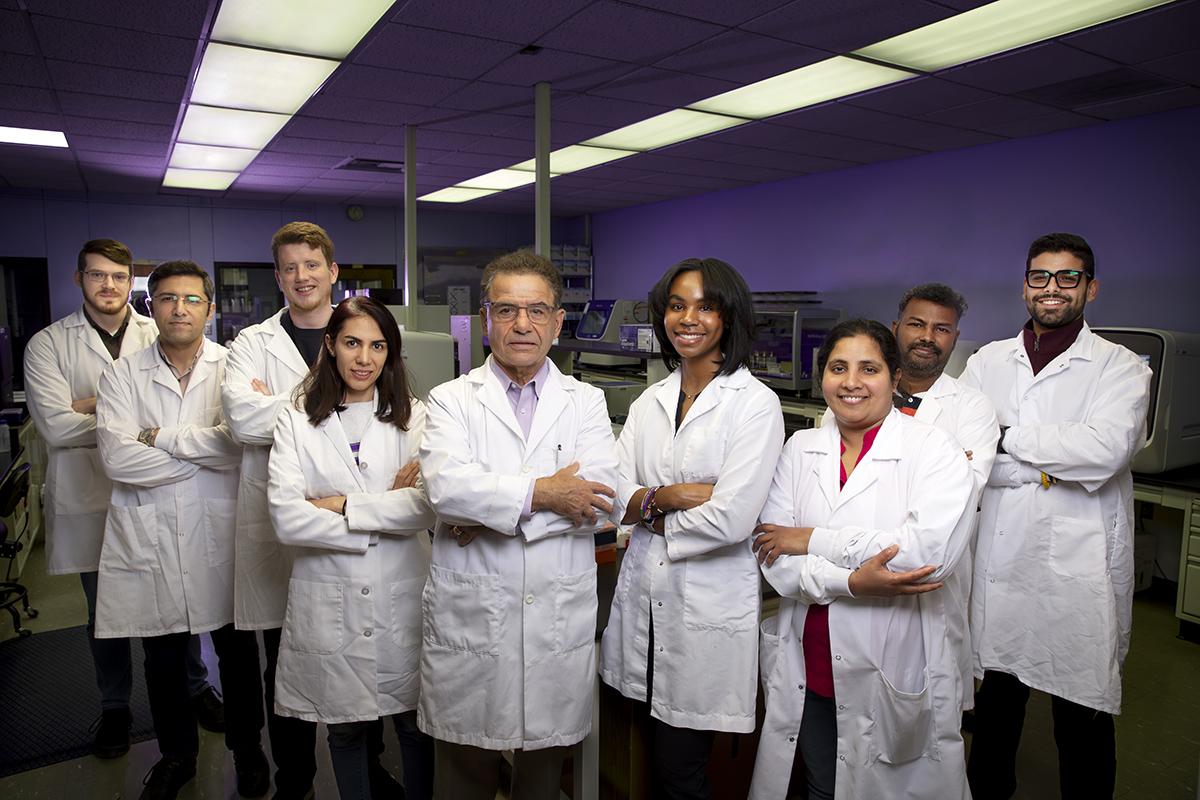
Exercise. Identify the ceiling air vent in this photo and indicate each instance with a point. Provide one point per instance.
(372, 165)
(1102, 87)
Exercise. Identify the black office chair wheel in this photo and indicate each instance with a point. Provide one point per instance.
(31, 612)
(24, 633)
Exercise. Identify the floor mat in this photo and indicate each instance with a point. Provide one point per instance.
(49, 699)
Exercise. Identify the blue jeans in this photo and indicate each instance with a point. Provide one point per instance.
(114, 665)
(349, 753)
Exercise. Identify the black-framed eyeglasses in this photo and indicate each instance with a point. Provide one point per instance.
(539, 313)
(1065, 278)
(99, 276)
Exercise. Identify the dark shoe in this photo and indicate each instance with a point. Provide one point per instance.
(253, 771)
(210, 711)
(167, 777)
(384, 785)
(112, 733)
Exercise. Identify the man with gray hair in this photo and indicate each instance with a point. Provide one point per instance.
(518, 461)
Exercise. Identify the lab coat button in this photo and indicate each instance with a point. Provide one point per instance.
(525, 468)
(791, 738)
(660, 650)
(367, 633)
(362, 465)
(528, 599)
(660, 604)
(660, 563)
(366, 590)
(801, 686)
(837, 658)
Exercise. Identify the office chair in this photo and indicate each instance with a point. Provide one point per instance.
(14, 489)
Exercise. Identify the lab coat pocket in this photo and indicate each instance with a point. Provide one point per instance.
(705, 453)
(574, 611)
(130, 540)
(720, 593)
(219, 516)
(768, 649)
(1078, 549)
(902, 723)
(405, 598)
(80, 485)
(314, 622)
(462, 611)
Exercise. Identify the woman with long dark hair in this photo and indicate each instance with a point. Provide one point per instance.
(866, 515)
(344, 492)
(696, 458)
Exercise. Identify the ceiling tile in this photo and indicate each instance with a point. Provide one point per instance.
(742, 57)
(796, 162)
(1145, 104)
(952, 139)
(97, 80)
(917, 96)
(481, 124)
(270, 159)
(827, 145)
(176, 19)
(1047, 124)
(392, 85)
(1030, 67)
(706, 182)
(117, 129)
(766, 174)
(335, 130)
(651, 85)
(885, 152)
(107, 46)
(294, 171)
(576, 181)
(720, 12)
(755, 134)
(313, 147)
(653, 162)
(91, 105)
(562, 69)
(705, 149)
(106, 145)
(902, 131)
(491, 97)
(717, 169)
(1152, 34)
(833, 117)
(561, 132)
(481, 161)
(516, 149)
(434, 52)
(23, 70)
(14, 34)
(514, 22)
(27, 98)
(989, 112)
(608, 29)
(839, 26)
(615, 173)
(121, 159)
(357, 109)
(1184, 67)
(604, 111)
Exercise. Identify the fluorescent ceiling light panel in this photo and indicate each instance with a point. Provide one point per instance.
(258, 80)
(230, 127)
(669, 128)
(995, 28)
(577, 157)
(500, 179)
(457, 194)
(32, 136)
(807, 86)
(315, 27)
(199, 179)
(200, 156)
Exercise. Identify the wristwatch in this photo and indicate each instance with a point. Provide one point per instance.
(146, 437)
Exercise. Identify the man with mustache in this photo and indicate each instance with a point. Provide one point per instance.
(927, 331)
(1051, 602)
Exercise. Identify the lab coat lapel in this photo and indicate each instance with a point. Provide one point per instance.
(89, 337)
(929, 409)
(283, 348)
(828, 445)
(161, 373)
(492, 395)
(885, 448)
(668, 396)
(551, 403)
(336, 434)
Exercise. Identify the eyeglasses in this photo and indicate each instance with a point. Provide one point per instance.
(538, 314)
(96, 276)
(1065, 278)
(189, 300)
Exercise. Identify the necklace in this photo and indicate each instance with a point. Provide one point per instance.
(690, 396)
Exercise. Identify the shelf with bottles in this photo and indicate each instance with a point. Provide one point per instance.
(574, 264)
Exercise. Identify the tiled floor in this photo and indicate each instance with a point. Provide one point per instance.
(1158, 735)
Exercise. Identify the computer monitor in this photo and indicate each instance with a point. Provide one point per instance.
(786, 343)
(1173, 415)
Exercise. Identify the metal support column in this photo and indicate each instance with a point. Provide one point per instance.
(410, 216)
(541, 142)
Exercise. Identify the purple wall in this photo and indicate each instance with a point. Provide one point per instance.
(860, 236)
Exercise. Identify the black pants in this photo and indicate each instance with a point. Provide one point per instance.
(294, 741)
(170, 702)
(1087, 747)
(680, 754)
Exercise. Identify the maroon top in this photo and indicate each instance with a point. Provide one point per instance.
(818, 660)
(1050, 345)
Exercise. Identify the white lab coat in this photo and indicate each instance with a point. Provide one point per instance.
(167, 562)
(700, 580)
(351, 645)
(1053, 590)
(508, 658)
(264, 566)
(895, 672)
(63, 362)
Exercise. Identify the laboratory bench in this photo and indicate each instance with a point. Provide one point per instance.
(1180, 489)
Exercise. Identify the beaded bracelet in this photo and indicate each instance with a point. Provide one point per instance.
(648, 507)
